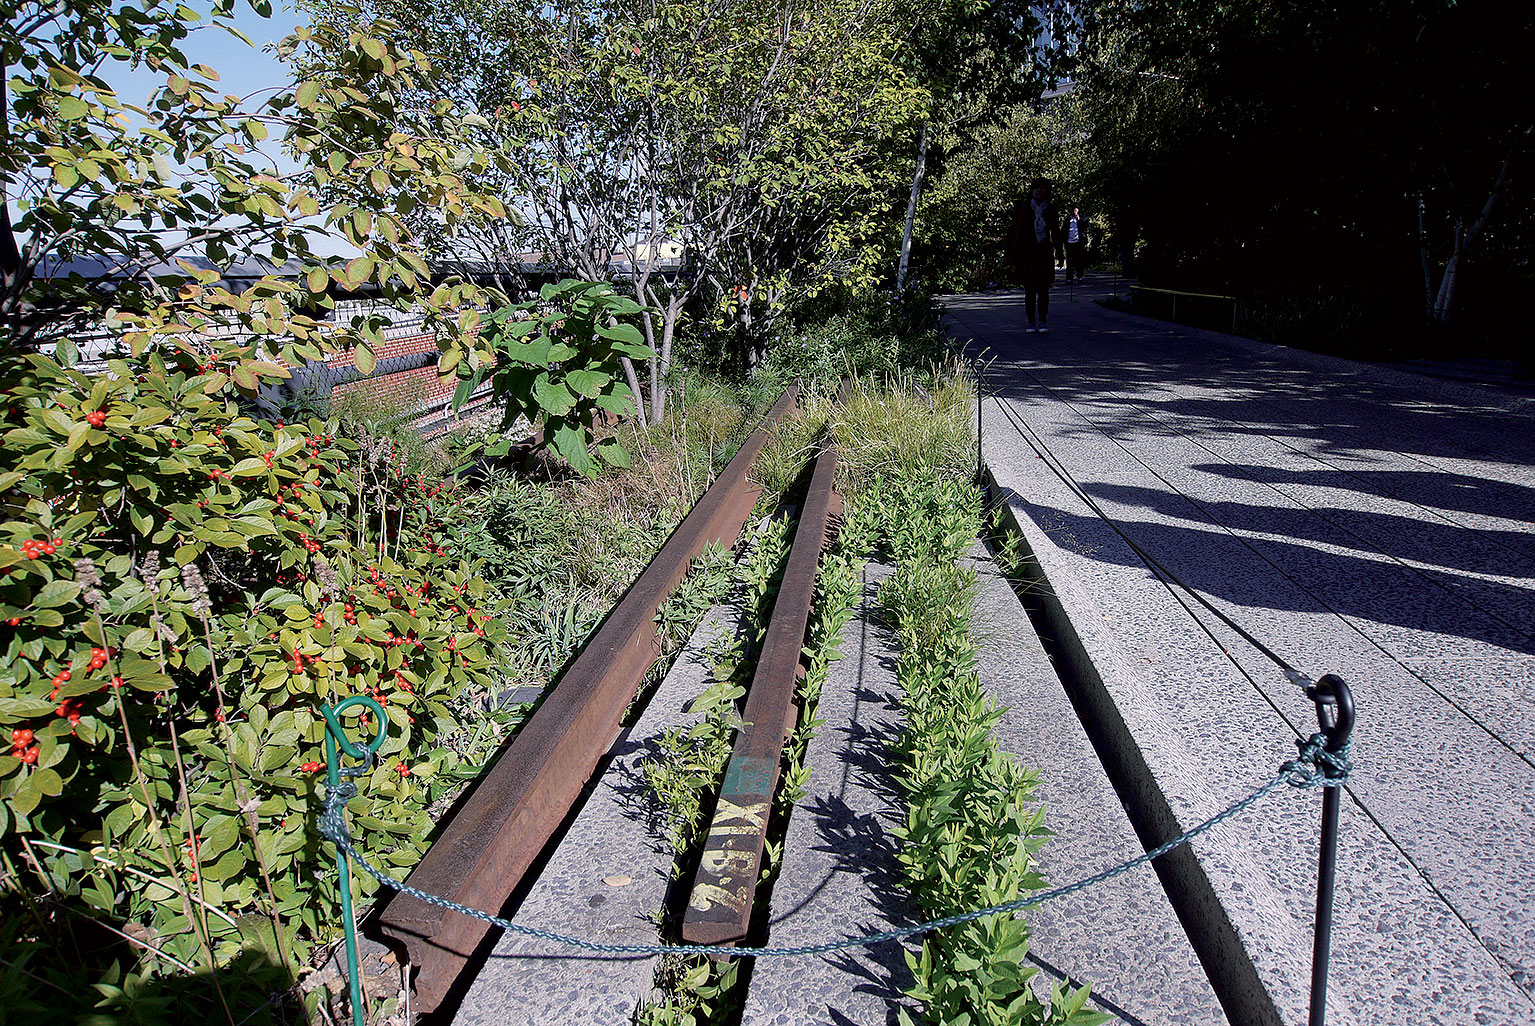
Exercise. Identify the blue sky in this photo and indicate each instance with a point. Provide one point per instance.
(242, 69)
(246, 70)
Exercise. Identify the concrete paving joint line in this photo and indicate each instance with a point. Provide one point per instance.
(1216, 941)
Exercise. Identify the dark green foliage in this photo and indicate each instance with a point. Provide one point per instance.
(971, 829)
(556, 361)
(1348, 148)
(862, 332)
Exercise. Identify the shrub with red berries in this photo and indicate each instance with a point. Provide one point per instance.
(208, 578)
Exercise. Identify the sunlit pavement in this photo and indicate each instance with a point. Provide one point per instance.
(1359, 520)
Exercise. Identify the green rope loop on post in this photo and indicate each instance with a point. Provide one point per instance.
(332, 823)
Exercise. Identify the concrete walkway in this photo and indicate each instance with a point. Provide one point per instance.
(1360, 520)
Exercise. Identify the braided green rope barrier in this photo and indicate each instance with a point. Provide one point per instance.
(1313, 767)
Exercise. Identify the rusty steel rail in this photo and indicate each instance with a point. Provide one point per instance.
(504, 824)
(720, 906)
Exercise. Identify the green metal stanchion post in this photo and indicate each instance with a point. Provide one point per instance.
(335, 737)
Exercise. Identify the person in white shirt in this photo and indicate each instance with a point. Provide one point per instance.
(1074, 232)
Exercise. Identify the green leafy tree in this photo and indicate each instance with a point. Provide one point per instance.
(182, 581)
(1005, 62)
(965, 216)
(751, 147)
(118, 198)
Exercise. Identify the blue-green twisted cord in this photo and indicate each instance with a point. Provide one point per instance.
(1314, 766)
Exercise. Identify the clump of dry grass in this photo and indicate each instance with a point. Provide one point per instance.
(791, 444)
(619, 518)
(895, 427)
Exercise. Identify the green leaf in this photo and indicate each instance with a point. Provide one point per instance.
(622, 333)
(48, 782)
(55, 593)
(466, 389)
(26, 797)
(613, 454)
(72, 108)
(570, 442)
(619, 402)
(534, 352)
(553, 397)
(153, 682)
(232, 863)
(588, 382)
(220, 833)
(363, 359)
(13, 709)
(359, 269)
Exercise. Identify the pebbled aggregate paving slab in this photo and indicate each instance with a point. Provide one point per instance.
(1198, 444)
(840, 877)
(1121, 936)
(607, 881)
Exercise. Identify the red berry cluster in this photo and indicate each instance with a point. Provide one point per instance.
(310, 767)
(96, 418)
(33, 548)
(310, 545)
(70, 709)
(22, 746)
(193, 845)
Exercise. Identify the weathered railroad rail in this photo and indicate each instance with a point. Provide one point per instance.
(720, 907)
(503, 825)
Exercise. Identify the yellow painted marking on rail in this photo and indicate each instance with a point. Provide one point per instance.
(722, 860)
(754, 814)
(706, 896)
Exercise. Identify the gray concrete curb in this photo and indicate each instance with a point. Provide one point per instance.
(1122, 936)
(1180, 743)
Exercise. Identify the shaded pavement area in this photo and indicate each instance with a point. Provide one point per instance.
(1358, 519)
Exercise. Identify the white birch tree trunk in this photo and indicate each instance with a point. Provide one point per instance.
(1466, 238)
(911, 210)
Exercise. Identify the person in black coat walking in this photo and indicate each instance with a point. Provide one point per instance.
(1034, 245)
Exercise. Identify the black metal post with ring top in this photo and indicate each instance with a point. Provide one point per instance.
(1335, 717)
